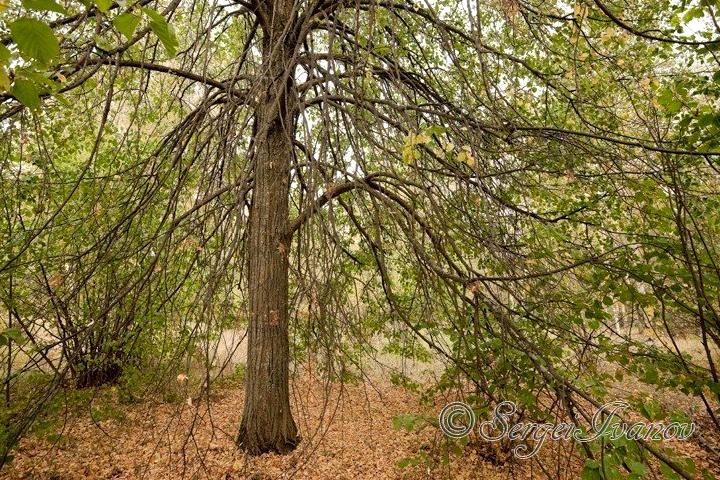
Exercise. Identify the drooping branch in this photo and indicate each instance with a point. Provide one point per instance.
(644, 34)
(155, 67)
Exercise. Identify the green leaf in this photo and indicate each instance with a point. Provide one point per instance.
(44, 6)
(591, 471)
(5, 55)
(693, 13)
(14, 334)
(407, 422)
(650, 375)
(4, 80)
(11, 334)
(714, 387)
(637, 468)
(435, 130)
(408, 462)
(104, 5)
(668, 472)
(651, 409)
(126, 24)
(163, 30)
(706, 475)
(26, 92)
(34, 39)
(670, 101)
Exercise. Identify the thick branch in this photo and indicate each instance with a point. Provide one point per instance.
(332, 192)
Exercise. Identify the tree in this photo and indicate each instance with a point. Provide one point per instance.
(481, 153)
(267, 423)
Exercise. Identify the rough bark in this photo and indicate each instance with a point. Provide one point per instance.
(267, 424)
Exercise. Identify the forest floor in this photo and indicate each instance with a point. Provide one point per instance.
(348, 433)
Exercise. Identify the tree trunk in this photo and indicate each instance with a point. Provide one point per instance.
(267, 424)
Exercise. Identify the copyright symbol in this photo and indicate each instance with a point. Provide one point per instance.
(456, 419)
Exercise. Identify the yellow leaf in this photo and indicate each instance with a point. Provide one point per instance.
(466, 156)
(422, 139)
(607, 35)
(408, 154)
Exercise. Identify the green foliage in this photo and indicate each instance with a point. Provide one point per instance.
(411, 422)
(126, 24)
(105, 412)
(103, 5)
(35, 40)
(9, 335)
(27, 92)
(236, 378)
(163, 30)
(44, 6)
